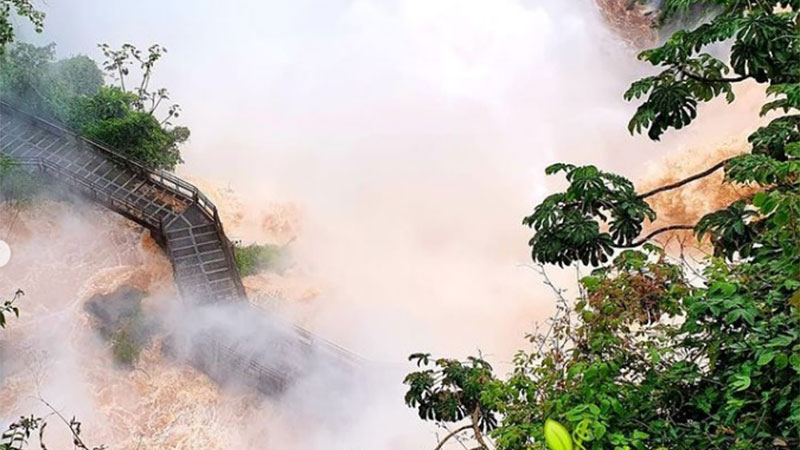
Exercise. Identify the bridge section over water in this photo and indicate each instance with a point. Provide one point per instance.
(183, 220)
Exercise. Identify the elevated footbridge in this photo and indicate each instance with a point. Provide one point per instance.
(182, 220)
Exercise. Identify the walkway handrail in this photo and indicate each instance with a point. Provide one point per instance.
(128, 207)
(178, 187)
(166, 180)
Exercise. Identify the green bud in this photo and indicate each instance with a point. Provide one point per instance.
(557, 436)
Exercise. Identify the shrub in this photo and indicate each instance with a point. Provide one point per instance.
(125, 348)
(255, 258)
(140, 136)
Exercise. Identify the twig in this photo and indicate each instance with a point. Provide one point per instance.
(656, 233)
(451, 434)
(702, 79)
(76, 438)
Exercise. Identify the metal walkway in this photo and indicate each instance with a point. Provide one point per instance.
(177, 214)
(183, 221)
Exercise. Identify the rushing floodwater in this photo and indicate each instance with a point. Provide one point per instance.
(393, 145)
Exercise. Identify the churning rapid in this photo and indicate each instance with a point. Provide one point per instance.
(393, 147)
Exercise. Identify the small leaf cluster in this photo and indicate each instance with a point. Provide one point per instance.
(449, 390)
(18, 434)
(565, 224)
(9, 307)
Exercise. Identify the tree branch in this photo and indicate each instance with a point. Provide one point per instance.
(477, 430)
(702, 79)
(452, 433)
(76, 439)
(656, 233)
(687, 180)
(121, 78)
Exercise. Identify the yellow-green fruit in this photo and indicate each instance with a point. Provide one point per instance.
(556, 436)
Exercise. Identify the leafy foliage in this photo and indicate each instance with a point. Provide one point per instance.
(20, 188)
(730, 230)
(657, 353)
(78, 75)
(120, 320)
(8, 307)
(764, 48)
(125, 348)
(72, 91)
(134, 133)
(255, 258)
(22, 8)
(19, 432)
(448, 390)
(565, 226)
(117, 64)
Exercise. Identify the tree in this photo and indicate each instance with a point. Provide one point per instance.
(72, 91)
(26, 79)
(109, 117)
(448, 390)
(79, 75)
(657, 353)
(22, 8)
(145, 100)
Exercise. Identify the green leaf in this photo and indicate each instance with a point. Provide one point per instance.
(556, 436)
(765, 358)
(740, 382)
(781, 361)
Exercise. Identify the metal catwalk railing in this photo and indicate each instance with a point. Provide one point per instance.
(180, 189)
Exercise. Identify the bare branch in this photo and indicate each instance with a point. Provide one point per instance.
(656, 233)
(75, 436)
(452, 433)
(703, 79)
(687, 180)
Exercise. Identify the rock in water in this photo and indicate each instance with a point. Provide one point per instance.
(120, 320)
(632, 20)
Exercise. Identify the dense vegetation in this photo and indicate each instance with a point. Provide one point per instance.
(254, 258)
(23, 9)
(657, 353)
(73, 91)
